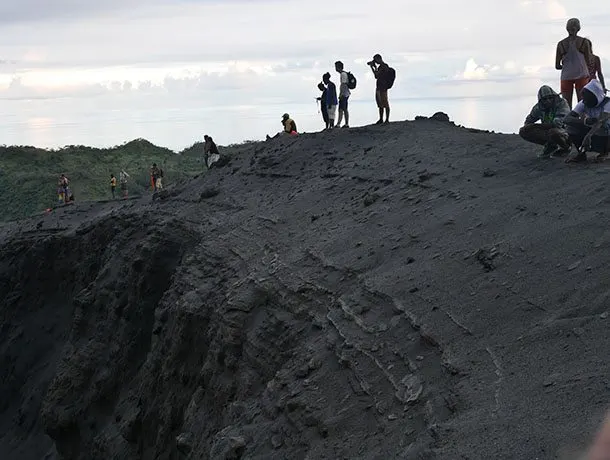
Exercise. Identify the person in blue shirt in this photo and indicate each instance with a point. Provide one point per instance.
(331, 99)
(323, 108)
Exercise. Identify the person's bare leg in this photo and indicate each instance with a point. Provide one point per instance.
(340, 119)
(387, 113)
(600, 450)
(346, 119)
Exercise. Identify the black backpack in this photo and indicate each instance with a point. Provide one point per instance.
(391, 77)
(351, 80)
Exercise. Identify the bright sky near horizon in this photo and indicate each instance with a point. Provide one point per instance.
(103, 72)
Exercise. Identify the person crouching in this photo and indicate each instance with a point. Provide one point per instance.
(550, 110)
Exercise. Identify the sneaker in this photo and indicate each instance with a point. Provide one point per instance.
(547, 150)
(561, 152)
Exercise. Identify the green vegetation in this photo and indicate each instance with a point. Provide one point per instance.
(29, 175)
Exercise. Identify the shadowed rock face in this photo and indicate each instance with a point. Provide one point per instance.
(416, 290)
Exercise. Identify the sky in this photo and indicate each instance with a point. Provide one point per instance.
(104, 72)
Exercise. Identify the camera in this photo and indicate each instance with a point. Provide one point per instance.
(371, 63)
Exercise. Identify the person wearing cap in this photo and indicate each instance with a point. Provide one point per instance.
(289, 125)
(573, 57)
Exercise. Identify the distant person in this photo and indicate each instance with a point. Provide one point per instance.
(385, 79)
(155, 175)
(322, 100)
(112, 185)
(344, 94)
(595, 70)
(123, 181)
(62, 190)
(331, 99)
(290, 127)
(210, 151)
(574, 54)
(588, 123)
(550, 110)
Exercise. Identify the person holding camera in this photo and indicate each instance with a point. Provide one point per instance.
(384, 76)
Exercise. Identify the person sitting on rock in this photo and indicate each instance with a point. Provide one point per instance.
(550, 110)
(290, 127)
(210, 151)
(588, 124)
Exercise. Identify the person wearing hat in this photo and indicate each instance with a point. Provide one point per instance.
(289, 125)
(573, 57)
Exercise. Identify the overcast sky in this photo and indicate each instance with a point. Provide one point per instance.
(153, 55)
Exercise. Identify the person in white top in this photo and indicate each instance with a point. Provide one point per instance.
(344, 94)
(574, 57)
(589, 123)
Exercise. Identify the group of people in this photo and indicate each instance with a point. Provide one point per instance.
(64, 192)
(330, 99)
(586, 125)
(156, 178)
(122, 180)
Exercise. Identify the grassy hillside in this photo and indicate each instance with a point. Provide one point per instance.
(28, 175)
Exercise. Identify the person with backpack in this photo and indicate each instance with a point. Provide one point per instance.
(347, 83)
(573, 56)
(588, 123)
(385, 77)
(331, 99)
(123, 181)
(210, 151)
(322, 100)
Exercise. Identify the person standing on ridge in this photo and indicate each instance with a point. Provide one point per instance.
(344, 94)
(385, 79)
(112, 185)
(210, 151)
(573, 57)
(123, 181)
(154, 176)
(331, 99)
(595, 70)
(550, 110)
(322, 100)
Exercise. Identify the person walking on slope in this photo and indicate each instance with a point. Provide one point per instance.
(156, 175)
(112, 185)
(573, 57)
(588, 124)
(322, 100)
(344, 94)
(550, 110)
(385, 79)
(595, 70)
(331, 99)
(210, 151)
(123, 181)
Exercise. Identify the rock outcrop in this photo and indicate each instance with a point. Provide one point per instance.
(410, 291)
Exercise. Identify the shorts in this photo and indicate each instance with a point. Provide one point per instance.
(381, 97)
(343, 102)
(332, 111)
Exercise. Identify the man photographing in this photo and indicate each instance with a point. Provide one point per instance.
(385, 79)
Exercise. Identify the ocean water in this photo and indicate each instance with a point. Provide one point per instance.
(178, 124)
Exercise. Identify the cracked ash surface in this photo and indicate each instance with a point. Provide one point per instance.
(411, 291)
